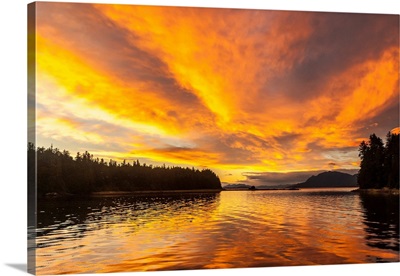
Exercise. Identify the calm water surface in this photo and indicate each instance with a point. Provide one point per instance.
(227, 229)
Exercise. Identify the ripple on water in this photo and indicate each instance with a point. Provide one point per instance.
(230, 229)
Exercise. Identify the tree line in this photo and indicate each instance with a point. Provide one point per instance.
(58, 172)
(379, 166)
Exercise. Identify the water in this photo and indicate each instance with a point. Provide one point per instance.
(223, 230)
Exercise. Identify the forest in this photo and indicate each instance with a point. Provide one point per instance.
(379, 167)
(58, 172)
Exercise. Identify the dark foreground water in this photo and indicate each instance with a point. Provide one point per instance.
(227, 229)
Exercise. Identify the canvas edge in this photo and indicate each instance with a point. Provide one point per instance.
(31, 156)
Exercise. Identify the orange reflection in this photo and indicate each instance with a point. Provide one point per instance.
(230, 229)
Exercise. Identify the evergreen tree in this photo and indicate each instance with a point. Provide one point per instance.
(379, 163)
(391, 162)
(60, 173)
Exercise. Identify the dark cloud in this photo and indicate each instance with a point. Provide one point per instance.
(274, 178)
(287, 138)
(232, 155)
(235, 148)
(337, 42)
(380, 124)
(268, 178)
(318, 146)
(111, 48)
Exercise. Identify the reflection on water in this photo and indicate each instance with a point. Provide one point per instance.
(227, 229)
(381, 217)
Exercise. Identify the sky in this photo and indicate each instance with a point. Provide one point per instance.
(260, 97)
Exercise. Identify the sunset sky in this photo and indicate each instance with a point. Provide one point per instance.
(259, 97)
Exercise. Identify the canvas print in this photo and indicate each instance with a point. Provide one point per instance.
(181, 138)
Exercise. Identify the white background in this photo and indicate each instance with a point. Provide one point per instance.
(13, 135)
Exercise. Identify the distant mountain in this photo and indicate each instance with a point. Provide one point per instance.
(237, 186)
(284, 186)
(329, 179)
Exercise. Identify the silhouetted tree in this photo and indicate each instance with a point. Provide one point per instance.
(379, 163)
(58, 172)
(391, 163)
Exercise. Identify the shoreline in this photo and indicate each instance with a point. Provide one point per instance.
(383, 191)
(273, 189)
(128, 193)
(150, 192)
